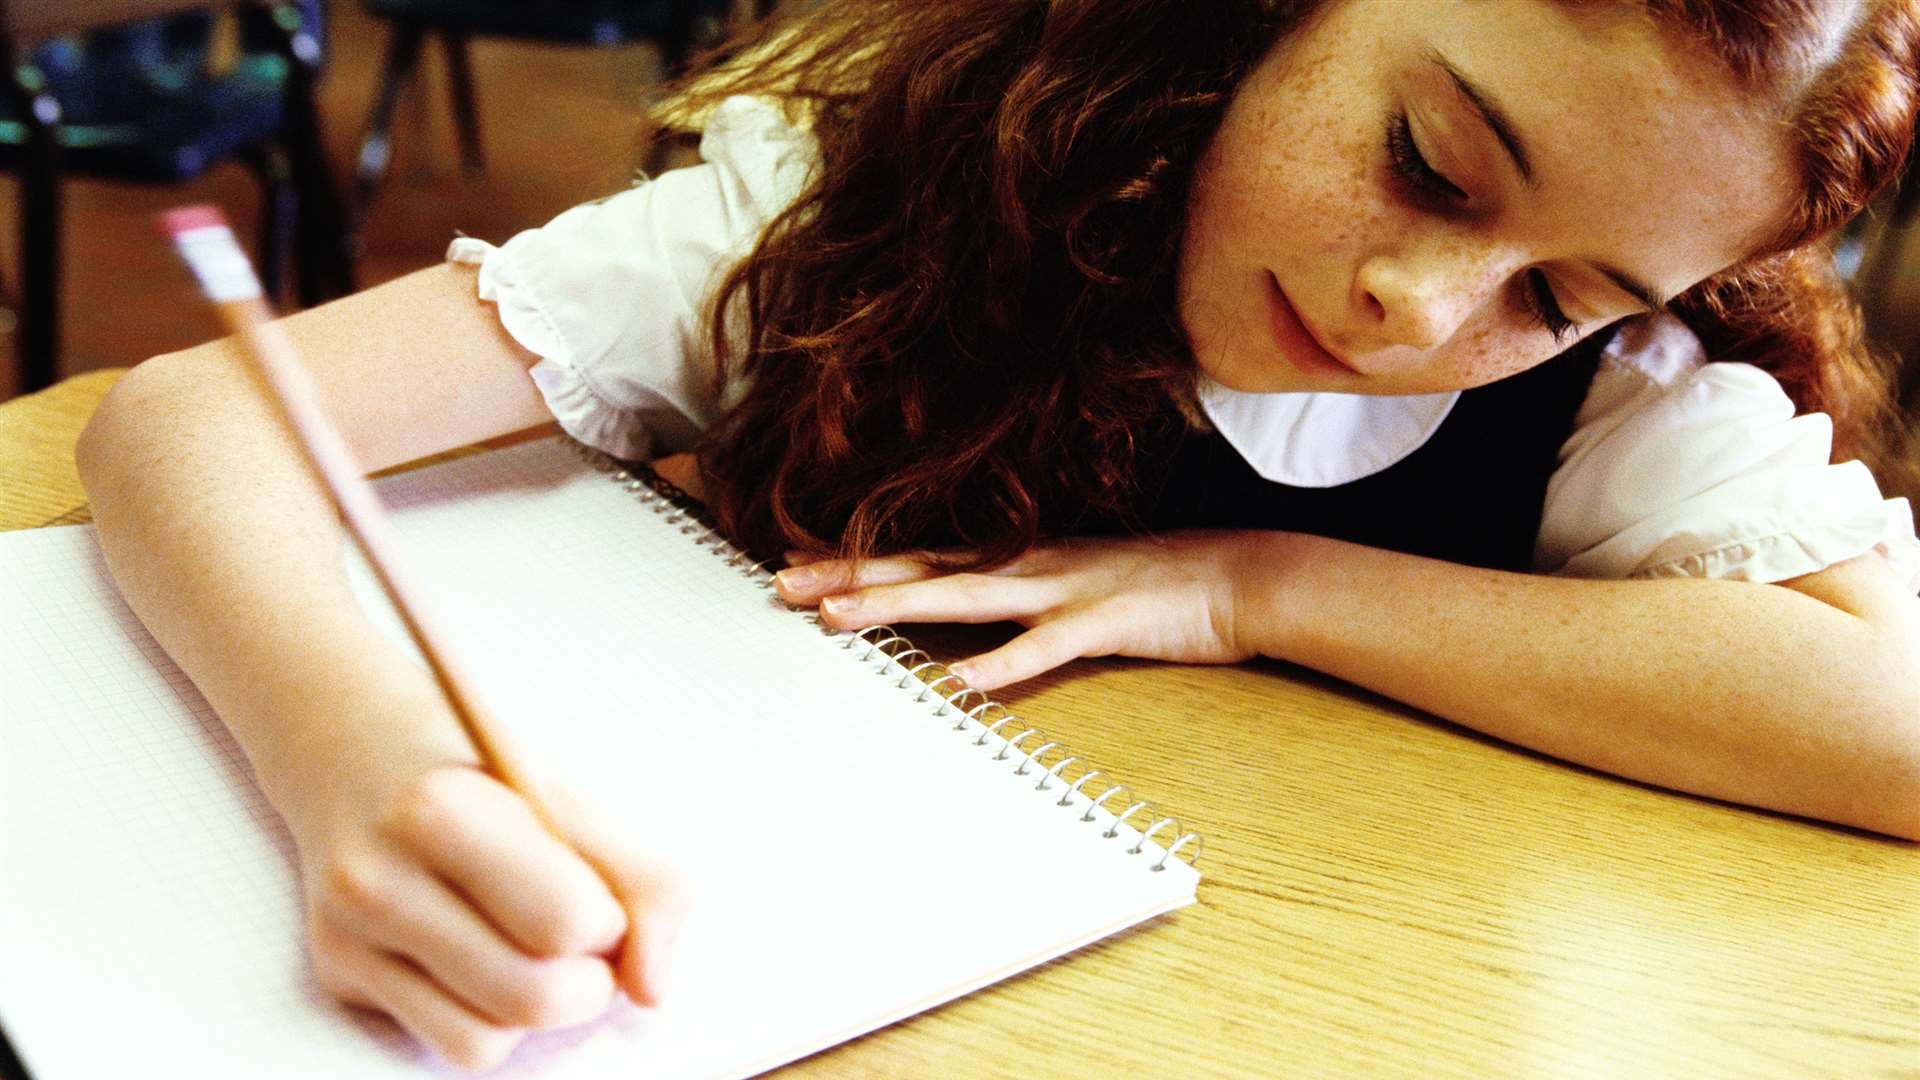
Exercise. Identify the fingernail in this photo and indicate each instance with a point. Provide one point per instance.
(965, 672)
(797, 577)
(840, 605)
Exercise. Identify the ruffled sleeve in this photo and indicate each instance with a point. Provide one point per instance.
(613, 295)
(1682, 468)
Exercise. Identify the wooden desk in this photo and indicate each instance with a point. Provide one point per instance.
(1385, 895)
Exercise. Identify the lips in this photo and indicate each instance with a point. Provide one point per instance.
(1296, 340)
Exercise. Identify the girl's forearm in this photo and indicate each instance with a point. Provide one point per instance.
(229, 553)
(1756, 694)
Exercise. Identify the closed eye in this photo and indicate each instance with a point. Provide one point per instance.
(1544, 307)
(1417, 178)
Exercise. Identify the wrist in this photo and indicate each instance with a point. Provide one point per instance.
(1271, 588)
(344, 745)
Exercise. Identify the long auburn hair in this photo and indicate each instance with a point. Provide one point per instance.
(963, 333)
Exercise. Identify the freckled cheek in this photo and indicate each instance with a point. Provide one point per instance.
(1488, 357)
(1314, 218)
(1308, 186)
(1346, 201)
(1359, 223)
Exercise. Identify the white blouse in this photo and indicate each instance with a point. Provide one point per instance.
(1677, 467)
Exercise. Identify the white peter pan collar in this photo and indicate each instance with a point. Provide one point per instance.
(1319, 440)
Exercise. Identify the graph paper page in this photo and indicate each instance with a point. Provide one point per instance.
(853, 858)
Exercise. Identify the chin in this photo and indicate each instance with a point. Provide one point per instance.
(1248, 377)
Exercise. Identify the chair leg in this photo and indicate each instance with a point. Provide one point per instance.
(376, 149)
(279, 213)
(39, 328)
(322, 256)
(676, 43)
(466, 111)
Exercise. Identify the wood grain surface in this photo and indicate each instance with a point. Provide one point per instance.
(1385, 894)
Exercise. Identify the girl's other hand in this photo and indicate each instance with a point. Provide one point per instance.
(1187, 596)
(447, 905)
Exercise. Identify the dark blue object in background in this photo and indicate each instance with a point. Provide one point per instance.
(136, 102)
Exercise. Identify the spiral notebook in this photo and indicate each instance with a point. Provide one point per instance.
(865, 837)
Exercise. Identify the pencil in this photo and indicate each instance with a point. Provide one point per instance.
(204, 241)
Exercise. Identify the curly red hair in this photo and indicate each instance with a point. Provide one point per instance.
(963, 331)
(1847, 91)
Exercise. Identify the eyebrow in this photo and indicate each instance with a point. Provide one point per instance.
(1503, 130)
(1491, 113)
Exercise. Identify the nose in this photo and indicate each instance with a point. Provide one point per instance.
(1419, 296)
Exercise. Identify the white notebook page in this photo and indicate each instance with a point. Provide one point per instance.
(853, 858)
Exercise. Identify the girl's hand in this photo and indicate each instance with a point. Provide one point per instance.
(446, 904)
(1188, 596)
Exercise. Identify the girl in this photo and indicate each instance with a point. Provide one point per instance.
(1394, 339)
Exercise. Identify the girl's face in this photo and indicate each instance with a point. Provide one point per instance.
(1411, 197)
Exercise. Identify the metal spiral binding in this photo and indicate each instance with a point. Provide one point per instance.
(895, 652)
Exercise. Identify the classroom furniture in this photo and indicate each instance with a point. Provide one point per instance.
(1384, 894)
(182, 122)
(675, 25)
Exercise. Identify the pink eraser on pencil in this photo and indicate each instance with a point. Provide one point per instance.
(206, 243)
(198, 216)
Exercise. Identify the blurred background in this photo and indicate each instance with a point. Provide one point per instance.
(557, 93)
(1881, 258)
(349, 140)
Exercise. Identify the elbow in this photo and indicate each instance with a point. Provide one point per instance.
(95, 452)
(1909, 772)
(151, 407)
(1881, 785)
(1877, 787)
(1902, 817)
(104, 442)
(1900, 809)
(1906, 789)
(1899, 803)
